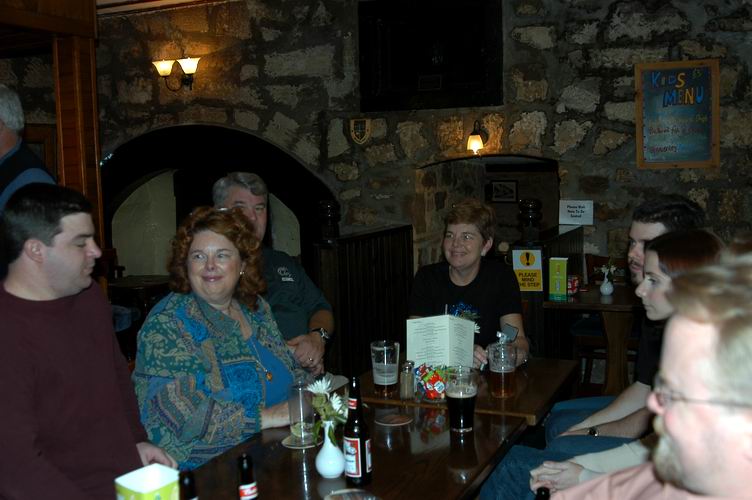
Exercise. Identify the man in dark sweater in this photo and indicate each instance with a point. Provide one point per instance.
(69, 424)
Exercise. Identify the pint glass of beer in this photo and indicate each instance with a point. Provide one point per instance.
(461, 389)
(384, 358)
(502, 362)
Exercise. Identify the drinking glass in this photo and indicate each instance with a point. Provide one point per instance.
(461, 390)
(384, 357)
(302, 417)
(502, 363)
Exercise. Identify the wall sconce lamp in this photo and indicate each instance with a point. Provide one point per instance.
(188, 65)
(476, 139)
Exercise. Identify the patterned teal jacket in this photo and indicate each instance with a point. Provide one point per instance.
(199, 388)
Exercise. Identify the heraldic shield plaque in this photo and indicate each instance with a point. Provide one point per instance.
(360, 130)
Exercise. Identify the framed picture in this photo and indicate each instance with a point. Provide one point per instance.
(504, 191)
(41, 140)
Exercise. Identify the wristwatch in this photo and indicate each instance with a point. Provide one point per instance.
(323, 332)
(593, 431)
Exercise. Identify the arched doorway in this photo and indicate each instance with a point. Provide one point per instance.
(197, 155)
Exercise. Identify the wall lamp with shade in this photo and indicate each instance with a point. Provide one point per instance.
(476, 140)
(188, 65)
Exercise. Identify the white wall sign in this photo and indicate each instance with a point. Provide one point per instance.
(579, 212)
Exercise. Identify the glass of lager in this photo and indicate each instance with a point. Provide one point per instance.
(384, 357)
(302, 416)
(461, 390)
(502, 362)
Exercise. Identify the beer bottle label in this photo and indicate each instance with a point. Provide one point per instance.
(352, 404)
(352, 457)
(369, 466)
(248, 491)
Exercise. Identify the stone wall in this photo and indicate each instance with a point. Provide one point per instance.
(287, 71)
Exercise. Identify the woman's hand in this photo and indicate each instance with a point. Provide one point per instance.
(479, 356)
(275, 416)
(555, 475)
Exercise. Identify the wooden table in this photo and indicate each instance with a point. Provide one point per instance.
(540, 382)
(618, 315)
(423, 459)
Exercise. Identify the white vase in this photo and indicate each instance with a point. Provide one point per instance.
(607, 288)
(330, 461)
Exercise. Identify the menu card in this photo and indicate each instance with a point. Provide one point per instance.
(440, 340)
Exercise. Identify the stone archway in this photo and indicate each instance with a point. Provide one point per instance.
(199, 155)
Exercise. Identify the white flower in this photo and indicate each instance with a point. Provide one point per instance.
(608, 269)
(321, 386)
(338, 404)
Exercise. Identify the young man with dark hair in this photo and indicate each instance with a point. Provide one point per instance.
(69, 424)
(663, 214)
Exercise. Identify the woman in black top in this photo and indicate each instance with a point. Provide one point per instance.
(468, 285)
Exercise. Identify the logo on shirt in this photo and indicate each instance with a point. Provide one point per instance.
(466, 311)
(284, 274)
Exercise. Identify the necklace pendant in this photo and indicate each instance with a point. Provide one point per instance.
(269, 376)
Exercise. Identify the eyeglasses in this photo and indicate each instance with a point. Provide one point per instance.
(666, 396)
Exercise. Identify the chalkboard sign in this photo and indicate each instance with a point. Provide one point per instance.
(677, 114)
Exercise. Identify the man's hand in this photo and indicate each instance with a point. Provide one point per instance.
(308, 349)
(479, 356)
(151, 454)
(555, 475)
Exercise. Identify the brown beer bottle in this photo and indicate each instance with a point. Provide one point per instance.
(357, 440)
(187, 486)
(247, 488)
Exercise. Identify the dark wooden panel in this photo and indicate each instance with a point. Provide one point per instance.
(367, 278)
(77, 119)
(74, 17)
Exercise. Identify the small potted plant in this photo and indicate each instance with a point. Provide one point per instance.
(608, 270)
(332, 410)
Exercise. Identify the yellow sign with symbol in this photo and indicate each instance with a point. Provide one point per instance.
(527, 267)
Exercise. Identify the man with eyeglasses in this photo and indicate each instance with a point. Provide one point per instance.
(702, 396)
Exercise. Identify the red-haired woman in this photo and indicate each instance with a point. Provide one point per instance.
(212, 368)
